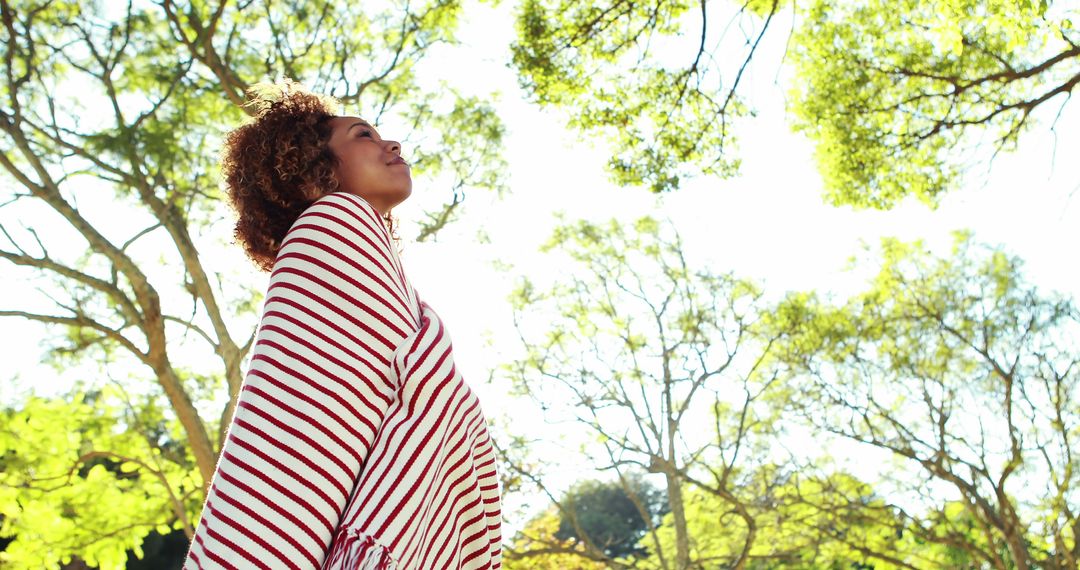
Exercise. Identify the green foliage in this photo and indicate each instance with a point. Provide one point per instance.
(535, 547)
(801, 522)
(897, 94)
(964, 373)
(610, 515)
(90, 475)
(662, 124)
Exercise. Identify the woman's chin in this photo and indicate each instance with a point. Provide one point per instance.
(406, 193)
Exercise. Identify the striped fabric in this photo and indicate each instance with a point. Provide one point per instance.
(356, 443)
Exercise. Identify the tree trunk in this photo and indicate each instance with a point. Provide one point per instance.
(682, 537)
(1014, 538)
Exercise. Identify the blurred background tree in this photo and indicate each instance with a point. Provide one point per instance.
(659, 363)
(967, 376)
(593, 522)
(954, 366)
(611, 515)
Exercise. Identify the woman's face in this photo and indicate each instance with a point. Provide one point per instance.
(369, 166)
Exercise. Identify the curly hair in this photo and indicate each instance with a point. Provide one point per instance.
(278, 164)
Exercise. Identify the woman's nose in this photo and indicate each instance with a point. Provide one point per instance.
(394, 146)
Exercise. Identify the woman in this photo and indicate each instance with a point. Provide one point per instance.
(355, 442)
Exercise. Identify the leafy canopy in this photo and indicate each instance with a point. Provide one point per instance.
(899, 97)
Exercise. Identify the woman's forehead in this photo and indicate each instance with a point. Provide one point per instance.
(348, 122)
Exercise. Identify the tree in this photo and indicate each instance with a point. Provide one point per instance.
(594, 59)
(968, 376)
(657, 362)
(110, 117)
(593, 516)
(610, 515)
(535, 547)
(82, 476)
(892, 93)
(806, 520)
(897, 94)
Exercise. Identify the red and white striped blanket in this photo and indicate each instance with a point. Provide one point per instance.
(356, 443)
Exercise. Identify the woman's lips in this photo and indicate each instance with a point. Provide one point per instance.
(398, 160)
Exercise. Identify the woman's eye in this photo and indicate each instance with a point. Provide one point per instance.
(365, 133)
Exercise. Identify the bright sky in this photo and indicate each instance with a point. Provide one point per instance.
(769, 223)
